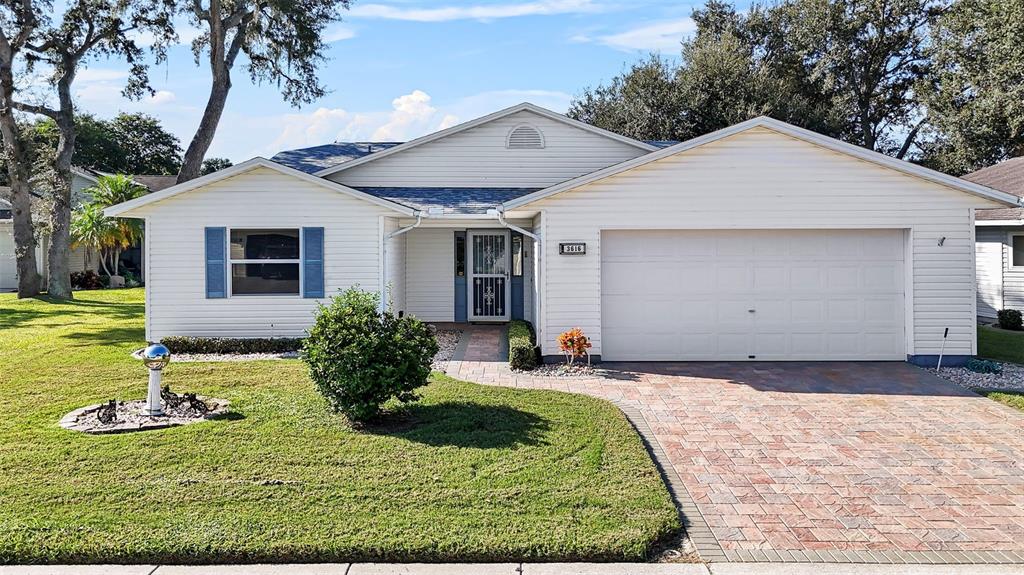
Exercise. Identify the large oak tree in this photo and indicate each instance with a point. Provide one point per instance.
(282, 43)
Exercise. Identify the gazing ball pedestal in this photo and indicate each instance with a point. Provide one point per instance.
(155, 358)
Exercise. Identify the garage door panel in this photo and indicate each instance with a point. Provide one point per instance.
(816, 294)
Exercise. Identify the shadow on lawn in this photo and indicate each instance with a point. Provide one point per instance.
(107, 336)
(463, 424)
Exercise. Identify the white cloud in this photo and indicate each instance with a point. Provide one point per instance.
(474, 12)
(658, 37)
(412, 114)
(100, 75)
(161, 97)
(339, 33)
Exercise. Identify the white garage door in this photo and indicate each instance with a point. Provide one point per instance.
(8, 265)
(752, 295)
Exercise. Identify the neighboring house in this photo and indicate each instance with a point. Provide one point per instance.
(999, 241)
(762, 241)
(79, 258)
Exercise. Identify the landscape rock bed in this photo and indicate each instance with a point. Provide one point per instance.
(193, 357)
(447, 341)
(1011, 379)
(566, 370)
(130, 417)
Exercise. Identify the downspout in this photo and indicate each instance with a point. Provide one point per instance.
(384, 257)
(538, 244)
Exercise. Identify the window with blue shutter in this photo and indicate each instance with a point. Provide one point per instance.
(216, 263)
(312, 262)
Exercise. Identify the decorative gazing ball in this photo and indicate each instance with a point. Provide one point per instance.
(156, 356)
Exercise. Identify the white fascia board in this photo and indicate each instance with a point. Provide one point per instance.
(124, 209)
(978, 222)
(525, 106)
(786, 129)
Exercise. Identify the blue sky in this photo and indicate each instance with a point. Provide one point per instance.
(403, 68)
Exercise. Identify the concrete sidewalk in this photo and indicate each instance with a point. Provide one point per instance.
(517, 569)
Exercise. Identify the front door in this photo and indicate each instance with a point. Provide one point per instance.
(488, 276)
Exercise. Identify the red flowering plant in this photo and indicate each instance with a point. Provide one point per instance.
(574, 344)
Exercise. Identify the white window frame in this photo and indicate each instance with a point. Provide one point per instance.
(1009, 245)
(231, 262)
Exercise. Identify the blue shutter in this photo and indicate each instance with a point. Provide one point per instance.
(216, 263)
(312, 262)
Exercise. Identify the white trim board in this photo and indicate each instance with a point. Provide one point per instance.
(524, 107)
(124, 209)
(785, 129)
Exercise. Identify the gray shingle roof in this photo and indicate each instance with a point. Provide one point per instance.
(661, 143)
(450, 200)
(1006, 176)
(316, 158)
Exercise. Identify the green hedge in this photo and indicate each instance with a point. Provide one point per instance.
(226, 345)
(522, 345)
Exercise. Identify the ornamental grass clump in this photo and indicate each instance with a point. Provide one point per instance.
(360, 357)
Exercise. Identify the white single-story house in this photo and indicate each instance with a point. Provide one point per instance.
(762, 241)
(1000, 242)
(80, 258)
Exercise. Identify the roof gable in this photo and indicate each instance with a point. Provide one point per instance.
(125, 208)
(525, 106)
(785, 129)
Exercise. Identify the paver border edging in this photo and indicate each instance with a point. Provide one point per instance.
(694, 525)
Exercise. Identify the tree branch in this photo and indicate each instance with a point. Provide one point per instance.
(910, 139)
(34, 109)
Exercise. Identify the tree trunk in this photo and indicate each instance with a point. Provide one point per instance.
(59, 281)
(29, 280)
(192, 164)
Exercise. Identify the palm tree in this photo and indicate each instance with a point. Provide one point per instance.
(92, 229)
(112, 190)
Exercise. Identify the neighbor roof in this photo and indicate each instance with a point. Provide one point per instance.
(449, 200)
(122, 208)
(314, 159)
(786, 129)
(525, 106)
(1007, 176)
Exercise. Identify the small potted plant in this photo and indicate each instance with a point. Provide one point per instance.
(574, 344)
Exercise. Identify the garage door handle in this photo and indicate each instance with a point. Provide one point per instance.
(751, 310)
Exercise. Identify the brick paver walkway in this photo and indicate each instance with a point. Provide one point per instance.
(823, 456)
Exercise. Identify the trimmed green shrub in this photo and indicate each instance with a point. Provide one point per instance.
(1010, 319)
(226, 345)
(983, 366)
(359, 357)
(86, 280)
(522, 352)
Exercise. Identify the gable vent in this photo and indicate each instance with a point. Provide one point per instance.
(525, 138)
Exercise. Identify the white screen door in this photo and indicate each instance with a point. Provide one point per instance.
(488, 276)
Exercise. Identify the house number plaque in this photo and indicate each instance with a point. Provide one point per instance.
(572, 249)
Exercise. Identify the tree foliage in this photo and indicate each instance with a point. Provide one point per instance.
(211, 165)
(975, 99)
(127, 144)
(282, 41)
(850, 69)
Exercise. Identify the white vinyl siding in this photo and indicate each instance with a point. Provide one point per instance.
(988, 251)
(430, 274)
(479, 157)
(761, 179)
(176, 292)
(81, 259)
(8, 262)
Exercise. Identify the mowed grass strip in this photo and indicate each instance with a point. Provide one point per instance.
(470, 473)
(1014, 399)
(1000, 344)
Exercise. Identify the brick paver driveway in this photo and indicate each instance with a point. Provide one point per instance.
(823, 456)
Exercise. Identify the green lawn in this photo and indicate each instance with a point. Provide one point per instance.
(1014, 399)
(470, 473)
(1000, 344)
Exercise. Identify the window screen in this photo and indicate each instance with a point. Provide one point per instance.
(265, 262)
